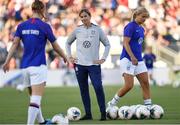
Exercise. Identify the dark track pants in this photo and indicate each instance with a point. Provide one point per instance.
(94, 73)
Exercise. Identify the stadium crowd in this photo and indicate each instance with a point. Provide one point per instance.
(162, 28)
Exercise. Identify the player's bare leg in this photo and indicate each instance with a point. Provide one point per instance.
(144, 82)
(129, 82)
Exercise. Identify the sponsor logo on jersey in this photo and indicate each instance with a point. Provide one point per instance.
(140, 40)
(86, 44)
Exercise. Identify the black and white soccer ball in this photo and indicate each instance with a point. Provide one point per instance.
(73, 113)
(156, 111)
(130, 112)
(122, 111)
(142, 112)
(112, 112)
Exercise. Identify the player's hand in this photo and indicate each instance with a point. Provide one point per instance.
(65, 60)
(134, 61)
(101, 61)
(72, 60)
(5, 67)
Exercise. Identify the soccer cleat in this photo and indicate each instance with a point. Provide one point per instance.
(47, 122)
(86, 117)
(109, 104)
(103, 116)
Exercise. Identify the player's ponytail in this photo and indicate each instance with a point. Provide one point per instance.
(138, 11)
(38, 7)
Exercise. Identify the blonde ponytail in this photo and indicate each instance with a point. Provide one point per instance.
(138, 11)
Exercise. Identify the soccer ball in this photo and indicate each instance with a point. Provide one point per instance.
(130, 112)
(121, 112)
(20, 87)
(142, 112)
(73, 113)
(60, 119)
(156, 112)
(112, 112)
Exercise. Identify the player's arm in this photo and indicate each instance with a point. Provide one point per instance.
(126, 45)
(10, 53)
(60, 51)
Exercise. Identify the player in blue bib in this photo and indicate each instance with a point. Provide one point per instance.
(131, 61)
(34, 34)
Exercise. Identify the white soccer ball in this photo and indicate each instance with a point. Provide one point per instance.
(133, 111)
(60, 119)
(121, 112)
(156, 112)
(20, 87)
(73, 113)
(142, 112)
(130, 113)
(112, 112)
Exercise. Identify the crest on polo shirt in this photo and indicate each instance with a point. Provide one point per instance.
(86, 44)
(93, 32)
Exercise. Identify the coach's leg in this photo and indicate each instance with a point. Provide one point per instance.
(35, 102)
(128, 85)
(144, 82)
(82, 78)
(95, 76)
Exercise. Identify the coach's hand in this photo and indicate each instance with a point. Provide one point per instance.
(101, 61)
(72, 60)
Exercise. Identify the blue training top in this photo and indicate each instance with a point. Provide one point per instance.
(34, 34)
(136, 33)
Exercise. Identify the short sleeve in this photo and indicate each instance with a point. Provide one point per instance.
(50, 35)
(128, 30)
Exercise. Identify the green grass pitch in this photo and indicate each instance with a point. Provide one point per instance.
(13, 104)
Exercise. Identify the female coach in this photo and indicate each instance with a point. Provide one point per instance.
(87, 62)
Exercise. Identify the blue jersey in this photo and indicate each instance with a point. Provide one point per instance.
(136, 34)
(34, 34)
(149, 59)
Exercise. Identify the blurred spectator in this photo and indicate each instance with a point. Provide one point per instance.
(149, 58)
(163, 26)
(3, 53)
(12, 64)
(55, 64)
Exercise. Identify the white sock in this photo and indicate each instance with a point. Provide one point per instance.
(147, 102)
(33, 109)
(115, 99)
(40, 117)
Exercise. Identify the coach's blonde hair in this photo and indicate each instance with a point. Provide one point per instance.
(138, 11)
